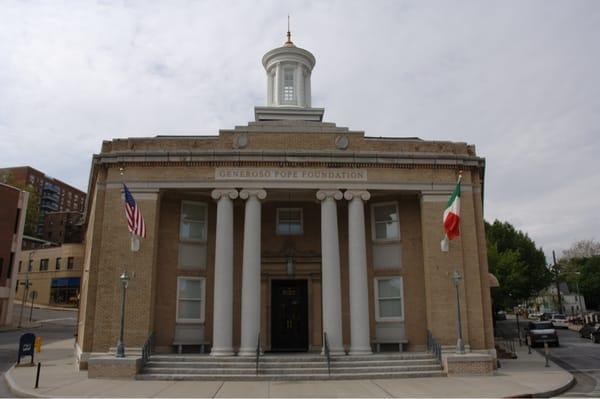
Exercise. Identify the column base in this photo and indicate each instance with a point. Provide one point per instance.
(360, 351)
(222, 352)
(247, 352)
(334, 352)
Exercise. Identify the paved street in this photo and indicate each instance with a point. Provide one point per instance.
(55, 325)
(579, 356)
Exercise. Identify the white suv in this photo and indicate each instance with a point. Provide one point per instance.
(559, 321)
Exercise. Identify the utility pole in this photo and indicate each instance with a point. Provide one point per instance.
(557, 274)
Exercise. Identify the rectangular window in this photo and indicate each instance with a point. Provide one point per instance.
(70, 263)
(289, 221)
(30, 265)
(386, 226)
(388, 294)
(190, 300)
(193, 221)
(43, 264)
(288, 85)
(57, 263)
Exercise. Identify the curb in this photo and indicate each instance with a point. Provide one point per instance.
(15, 389)
(46, 307)
(31, 326)
(557, 391)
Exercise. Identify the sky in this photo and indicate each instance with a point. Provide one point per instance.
(519, 79)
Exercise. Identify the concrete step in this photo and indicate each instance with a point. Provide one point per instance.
(287, 377)
(291, 358)
(279, 365)
(273, 371)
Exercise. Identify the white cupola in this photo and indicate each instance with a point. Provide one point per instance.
(288, 84)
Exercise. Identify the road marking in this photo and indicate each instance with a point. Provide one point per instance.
(52, 320)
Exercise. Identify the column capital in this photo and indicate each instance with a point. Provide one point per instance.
(252, 192)
(358, 194)
(334, 194)
(219, 193)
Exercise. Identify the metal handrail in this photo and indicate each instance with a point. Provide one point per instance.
(433, 347)
(147, 348)
(327, 354)
(257, 352)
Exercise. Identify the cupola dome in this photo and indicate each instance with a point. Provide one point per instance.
(288, 71)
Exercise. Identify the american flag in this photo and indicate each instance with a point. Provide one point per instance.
(135, 220)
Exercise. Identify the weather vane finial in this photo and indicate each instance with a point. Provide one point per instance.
(289, 43)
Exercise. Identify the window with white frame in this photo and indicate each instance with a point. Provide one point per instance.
(193, 221)
(289, 221)
(386, 226)
(190, 299)
(389, 302)
(288, 85)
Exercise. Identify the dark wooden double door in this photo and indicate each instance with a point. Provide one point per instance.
(289, 315)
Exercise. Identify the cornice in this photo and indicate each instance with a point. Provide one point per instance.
(289, 158)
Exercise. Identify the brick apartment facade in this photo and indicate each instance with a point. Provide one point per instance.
(63, 227)
(13, 206)
(53, 194)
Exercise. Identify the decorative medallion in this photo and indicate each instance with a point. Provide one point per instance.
(240, 141)
(341, 142)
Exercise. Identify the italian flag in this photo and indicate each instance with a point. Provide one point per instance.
(452, 216)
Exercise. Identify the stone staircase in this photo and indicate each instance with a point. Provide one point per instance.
(290, 367)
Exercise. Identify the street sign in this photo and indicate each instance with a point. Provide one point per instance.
(26, 346)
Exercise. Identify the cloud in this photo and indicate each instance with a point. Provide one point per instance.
(518, 79)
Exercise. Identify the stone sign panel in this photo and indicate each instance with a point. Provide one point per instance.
(292, 174)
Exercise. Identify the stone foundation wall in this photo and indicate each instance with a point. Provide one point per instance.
(112, 367)
(469, 364)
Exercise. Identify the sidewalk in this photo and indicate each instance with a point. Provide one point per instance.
(525, 376)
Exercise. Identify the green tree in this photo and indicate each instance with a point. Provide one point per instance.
(517, 263)
(583, 273)
(33, 205)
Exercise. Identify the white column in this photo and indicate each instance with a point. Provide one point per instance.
(222, 344)
(278, 83)
(330, 269)
(360, 343)
(251, 272)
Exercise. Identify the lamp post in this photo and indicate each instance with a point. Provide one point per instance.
(26, 284)
(124, 278)
(460, 347)
(579, 303)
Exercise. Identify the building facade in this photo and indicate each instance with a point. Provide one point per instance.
(53, 195)
(63, 227)
(13, 208)
(54, 274)
(286, 230)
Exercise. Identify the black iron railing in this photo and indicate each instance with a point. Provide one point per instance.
(433, 347)
(147, 348)
(258, 350)
(327, 354)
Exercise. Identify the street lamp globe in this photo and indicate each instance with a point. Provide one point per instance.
(456, 277)
(124, 279)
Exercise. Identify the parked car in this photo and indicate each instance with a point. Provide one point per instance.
(540, 332)
(501, 315)
(559, 321)
(545, 316)
(534, 315)
(591, 331)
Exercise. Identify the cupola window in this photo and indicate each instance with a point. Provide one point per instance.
(288, 85)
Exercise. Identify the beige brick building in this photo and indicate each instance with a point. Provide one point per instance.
(54, 273)
(285, 229)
